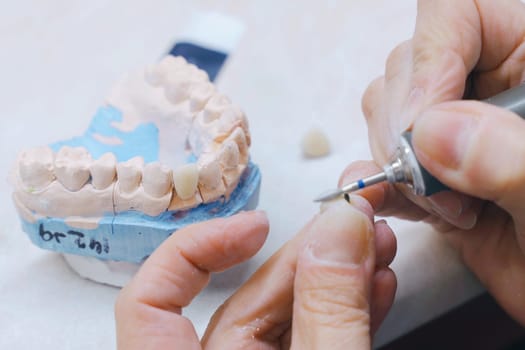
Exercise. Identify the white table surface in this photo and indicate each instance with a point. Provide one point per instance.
(297, 63)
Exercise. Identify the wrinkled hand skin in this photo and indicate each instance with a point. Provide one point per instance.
(334, 304)
(332, 279)
(460, 49)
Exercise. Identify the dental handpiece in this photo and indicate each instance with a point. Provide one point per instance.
(404, 167)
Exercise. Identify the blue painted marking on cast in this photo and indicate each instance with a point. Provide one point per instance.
(142, 141)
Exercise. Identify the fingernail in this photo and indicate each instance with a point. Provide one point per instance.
(442, 135)
(468, 221)
(447, 205)
(455, 208)
(341, 234)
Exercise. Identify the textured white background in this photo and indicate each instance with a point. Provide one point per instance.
(298, 63)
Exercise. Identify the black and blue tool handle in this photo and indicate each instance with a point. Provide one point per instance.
(512, 100)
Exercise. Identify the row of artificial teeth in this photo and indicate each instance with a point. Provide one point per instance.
(74, 168)
(181, 81)
(219, 134)
(173, 88)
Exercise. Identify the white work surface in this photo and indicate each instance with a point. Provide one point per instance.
(297, 63)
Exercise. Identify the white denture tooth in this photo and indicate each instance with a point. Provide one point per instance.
(154, 75)
(103, 171)
(35, 167)
(185, 180)
(215, 106)
(72, 167)
(229, 154)
(129, 174)
(157, 179)
(200, 94)
(210, 174)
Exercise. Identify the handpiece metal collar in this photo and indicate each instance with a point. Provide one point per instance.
(404, 168)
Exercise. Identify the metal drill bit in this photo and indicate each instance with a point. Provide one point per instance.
(353, 186)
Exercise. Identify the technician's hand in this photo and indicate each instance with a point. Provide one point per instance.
(327, 278)
(148, 311)
(328, 288)
(471, 49)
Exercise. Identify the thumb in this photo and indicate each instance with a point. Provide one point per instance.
(333, 281)
(475, 148)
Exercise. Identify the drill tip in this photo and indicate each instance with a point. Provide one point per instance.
(351, 187)
(328, 195)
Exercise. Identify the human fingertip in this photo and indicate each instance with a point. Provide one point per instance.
(362, 204)
(257, 217)
(353, 200)
(385, 243)
(372, 96)
(341, 234)
(254, 213)
(384, 285)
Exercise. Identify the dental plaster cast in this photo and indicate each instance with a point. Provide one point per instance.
(315, 143)
(164, 151)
